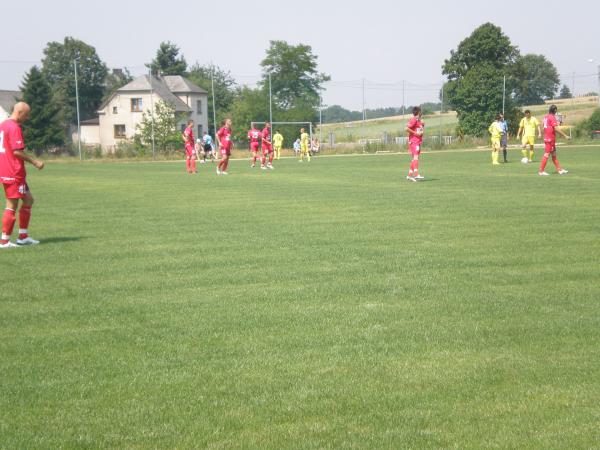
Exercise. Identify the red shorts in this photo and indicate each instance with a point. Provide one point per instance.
(267, 149)
(254, 147)
(550, 146)
(225, 151)
(414, 148)
(16, 190)
(189, 150)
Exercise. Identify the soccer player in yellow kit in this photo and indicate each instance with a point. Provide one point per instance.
(304, 145)
(277, 144)
(496, 131)
(527, 128)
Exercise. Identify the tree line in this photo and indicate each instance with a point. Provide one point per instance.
(50, 89)
(475, 73)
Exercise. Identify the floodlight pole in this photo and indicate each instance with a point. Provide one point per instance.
(78, 116)
(599, 85)
(320, 119)
(212, 82)
(270, 101)
(441, 111)
(152, 113)
(503, 94)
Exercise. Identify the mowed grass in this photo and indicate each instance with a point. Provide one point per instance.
(322, 305)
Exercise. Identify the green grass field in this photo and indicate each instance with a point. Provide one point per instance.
(322, 305)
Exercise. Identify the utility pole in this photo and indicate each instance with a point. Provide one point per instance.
(403, 102)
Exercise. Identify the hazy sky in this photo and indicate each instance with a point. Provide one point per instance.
(382, 41)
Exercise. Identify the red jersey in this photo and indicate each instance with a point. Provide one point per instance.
(266, 138)
(416, 125)
(549, 123)
(224, 135)
(12, 169)
(189, 137)
(254, 135)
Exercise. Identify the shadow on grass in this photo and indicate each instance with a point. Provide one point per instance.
(62, 239)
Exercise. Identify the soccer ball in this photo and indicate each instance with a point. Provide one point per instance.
(524, 160)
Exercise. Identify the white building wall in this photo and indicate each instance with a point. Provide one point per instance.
(123, 116)
(3, 114)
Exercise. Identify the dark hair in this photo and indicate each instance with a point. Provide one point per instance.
(552, 109)
(527, 111)
(416, 110)
(190, 121)
(498, 116)
(276, 131)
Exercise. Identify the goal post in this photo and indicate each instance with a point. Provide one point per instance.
(288, 126)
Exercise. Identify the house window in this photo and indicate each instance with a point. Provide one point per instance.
(136, 105)
(199, 107)
(115, 110)
(120, 132)
(199, 130)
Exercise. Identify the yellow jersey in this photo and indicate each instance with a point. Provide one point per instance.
(277, 140)
(496, 130)
(304, 139)
(529, 126)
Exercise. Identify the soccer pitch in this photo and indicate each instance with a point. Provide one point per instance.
(320, 305)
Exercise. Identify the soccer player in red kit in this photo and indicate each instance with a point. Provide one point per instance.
(550, 130)
(254, 137)
(190, 147)
(415, 128)
(267, 147)
(13, 177)
(225, 145)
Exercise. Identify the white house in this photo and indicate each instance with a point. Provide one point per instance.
(7, 101)
(122, 112)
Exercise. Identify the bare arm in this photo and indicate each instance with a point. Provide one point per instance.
(24, 157)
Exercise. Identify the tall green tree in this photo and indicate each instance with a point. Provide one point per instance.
(295, 80)
(44, 129)
(565, 92)
(250, 105)
(534, 79)
(475, 72)
(168, 61)
(163, 125)
(58, 68)
(226, 90)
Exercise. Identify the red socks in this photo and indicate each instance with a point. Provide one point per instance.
(414, 167)
(193, 161)
(187, 164)
(556, 163)
(24, 218)
(271, 158)
(544, 161)
(8, 223)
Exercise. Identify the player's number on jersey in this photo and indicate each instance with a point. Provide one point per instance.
(2, 142)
